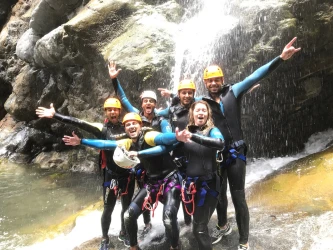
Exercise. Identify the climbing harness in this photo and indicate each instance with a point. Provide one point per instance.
(189, 188)
(233, 153)
(114, 186)
(161, 187)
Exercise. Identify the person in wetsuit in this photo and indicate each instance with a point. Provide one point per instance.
(149, 119)
(162, 179)
(178, 116)
(111, 129)
(225, 102)
(201, 187)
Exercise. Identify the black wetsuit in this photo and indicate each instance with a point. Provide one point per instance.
(161, 170)
(202, 169)
(227, 117)
(112, 173)
(178, 117)
(158, 123)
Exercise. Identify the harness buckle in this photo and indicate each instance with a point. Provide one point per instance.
(113, 183)
(177, 162)
(184, 184)
(219, 156)
(147, 201)
(190, 187)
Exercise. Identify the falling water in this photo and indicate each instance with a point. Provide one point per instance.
(197, 37)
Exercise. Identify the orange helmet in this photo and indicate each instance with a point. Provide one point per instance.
(132, 117)
(186, 84)
(212, 71)
(112, 103)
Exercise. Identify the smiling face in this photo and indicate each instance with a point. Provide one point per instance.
(214, 84)
(133, 129)
(148, 106)
(200, 114)
(112, 114)
(186, 96)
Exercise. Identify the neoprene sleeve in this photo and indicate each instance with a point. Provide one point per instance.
(215, 139)
(165, 139)
(154, 151)
(256, 76)
(122, 96)
(100, 144)
(93, 128)
(215, 143)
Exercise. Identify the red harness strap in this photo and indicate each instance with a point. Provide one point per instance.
(126, 191)
(148, 200)
(192, 191)
(103, 159)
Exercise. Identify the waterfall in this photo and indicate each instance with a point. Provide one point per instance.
(196, 38)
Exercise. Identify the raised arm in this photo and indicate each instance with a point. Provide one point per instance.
(93, 128)
(118, 89)
(165, 92)
(263, 71)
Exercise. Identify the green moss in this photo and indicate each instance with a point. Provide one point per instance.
(57, 176)
(289, 23)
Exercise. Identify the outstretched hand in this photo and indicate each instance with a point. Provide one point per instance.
(71, 140)
(44, 112)
(165, 92)
(113, 72)
(183, 136)
(289, 50)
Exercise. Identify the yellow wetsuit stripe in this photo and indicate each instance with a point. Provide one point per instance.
(125, 142)
(150, 137)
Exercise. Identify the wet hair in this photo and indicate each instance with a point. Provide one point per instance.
(209, 123)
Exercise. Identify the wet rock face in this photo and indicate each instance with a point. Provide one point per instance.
(5, 8)
(57, 51)
(65, 46)
(296, 100)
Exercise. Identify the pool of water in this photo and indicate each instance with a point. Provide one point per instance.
(32, 201)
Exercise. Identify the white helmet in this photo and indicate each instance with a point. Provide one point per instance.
(121, 158)
(148, 94)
